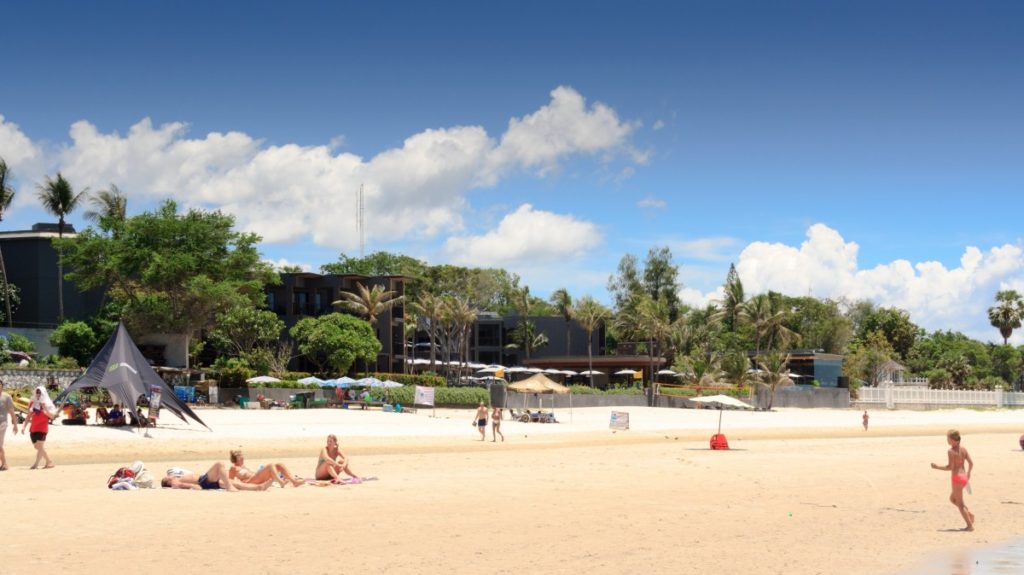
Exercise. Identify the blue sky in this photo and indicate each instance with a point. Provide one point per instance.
(844, 149)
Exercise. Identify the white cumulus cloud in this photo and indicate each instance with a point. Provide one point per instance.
(937, 297)
(290, 192)
(524, 237)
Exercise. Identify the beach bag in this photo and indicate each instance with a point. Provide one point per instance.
(120, 475)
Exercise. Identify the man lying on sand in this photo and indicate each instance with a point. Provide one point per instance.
(216, 478)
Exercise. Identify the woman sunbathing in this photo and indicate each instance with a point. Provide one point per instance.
(270, 472)
(332, 462)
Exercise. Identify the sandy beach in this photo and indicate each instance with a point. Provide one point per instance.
(802, 492)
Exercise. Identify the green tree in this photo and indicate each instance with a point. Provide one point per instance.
(169, 272)
(1007, 362)
(867, 357)
(335, 341)
(959, 369)
(6, 197)
(562, 301)
(376, 264)
(893, 323)
(736, 369)
(1007, 314)
(820, 323)
(591, 315)
(76, 339)
(698, 369)
(731, 308)
(59, 199)
(241, 329)
(661, 280)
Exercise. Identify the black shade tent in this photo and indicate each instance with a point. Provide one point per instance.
(121, 369)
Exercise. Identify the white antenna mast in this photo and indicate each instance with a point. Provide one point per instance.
(359, 223)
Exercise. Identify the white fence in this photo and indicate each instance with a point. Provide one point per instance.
(893, 396)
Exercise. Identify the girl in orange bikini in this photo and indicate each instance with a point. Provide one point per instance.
(959, 476)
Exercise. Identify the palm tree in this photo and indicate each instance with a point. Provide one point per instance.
(736, 370)
(653, 321)
(1007, 315)
(591, 316)
(110, 205)
(699, 369)
(562, 301)
(430, 308)
(774, 372)
(409, 328)
(522, 303)
(369, 303)
(60, 199)
(6, 196)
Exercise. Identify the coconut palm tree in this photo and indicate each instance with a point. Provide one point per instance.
(562, 301)
(430, 308)
(60, 199)
(698, 369)
(591, 315)
(736, 370)
(6, 196)
(369, 303)
(774, 372)
(1007, 314)
(110, 205)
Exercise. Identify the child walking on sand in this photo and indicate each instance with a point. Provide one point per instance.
(959, 476)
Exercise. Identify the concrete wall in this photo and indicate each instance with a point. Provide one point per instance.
(25, 379)
(175, 353)
(805, 396)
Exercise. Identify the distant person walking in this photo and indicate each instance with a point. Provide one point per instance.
(481, 420)
(959, 476)
(6, 410)
(496, 424)
(41, 409)
(865, 419)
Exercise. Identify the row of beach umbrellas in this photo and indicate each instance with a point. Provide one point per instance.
(343, 382)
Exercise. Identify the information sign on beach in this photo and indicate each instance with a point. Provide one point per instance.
(424, 396)
(154, 402)
(619, 420)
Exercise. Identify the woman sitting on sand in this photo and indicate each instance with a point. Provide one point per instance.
(272, 471)
(332, 462)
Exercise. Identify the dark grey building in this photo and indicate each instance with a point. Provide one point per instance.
(310, 295)
(31, 263)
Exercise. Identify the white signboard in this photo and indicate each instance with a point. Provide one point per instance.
(423, 396)
(619, 420)
(154, 402)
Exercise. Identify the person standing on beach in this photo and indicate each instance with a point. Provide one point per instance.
(481, 420)
(959, 476)
(38, 423)
(865, 420)
(6, 410)
(496, 424)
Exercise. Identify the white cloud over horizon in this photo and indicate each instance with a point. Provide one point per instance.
(526, 237)
(288, 192)
(937, 298)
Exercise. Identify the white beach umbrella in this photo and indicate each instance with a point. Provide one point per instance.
(490, 369)
(625, 372)
(263, 379)
(591, 372)
(568, 372)
(312, 379)
(534, 370)
(517, 369)
(667, 372)
(721, 401)
(553, 371)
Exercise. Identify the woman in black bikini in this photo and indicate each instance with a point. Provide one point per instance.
(959, 476)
